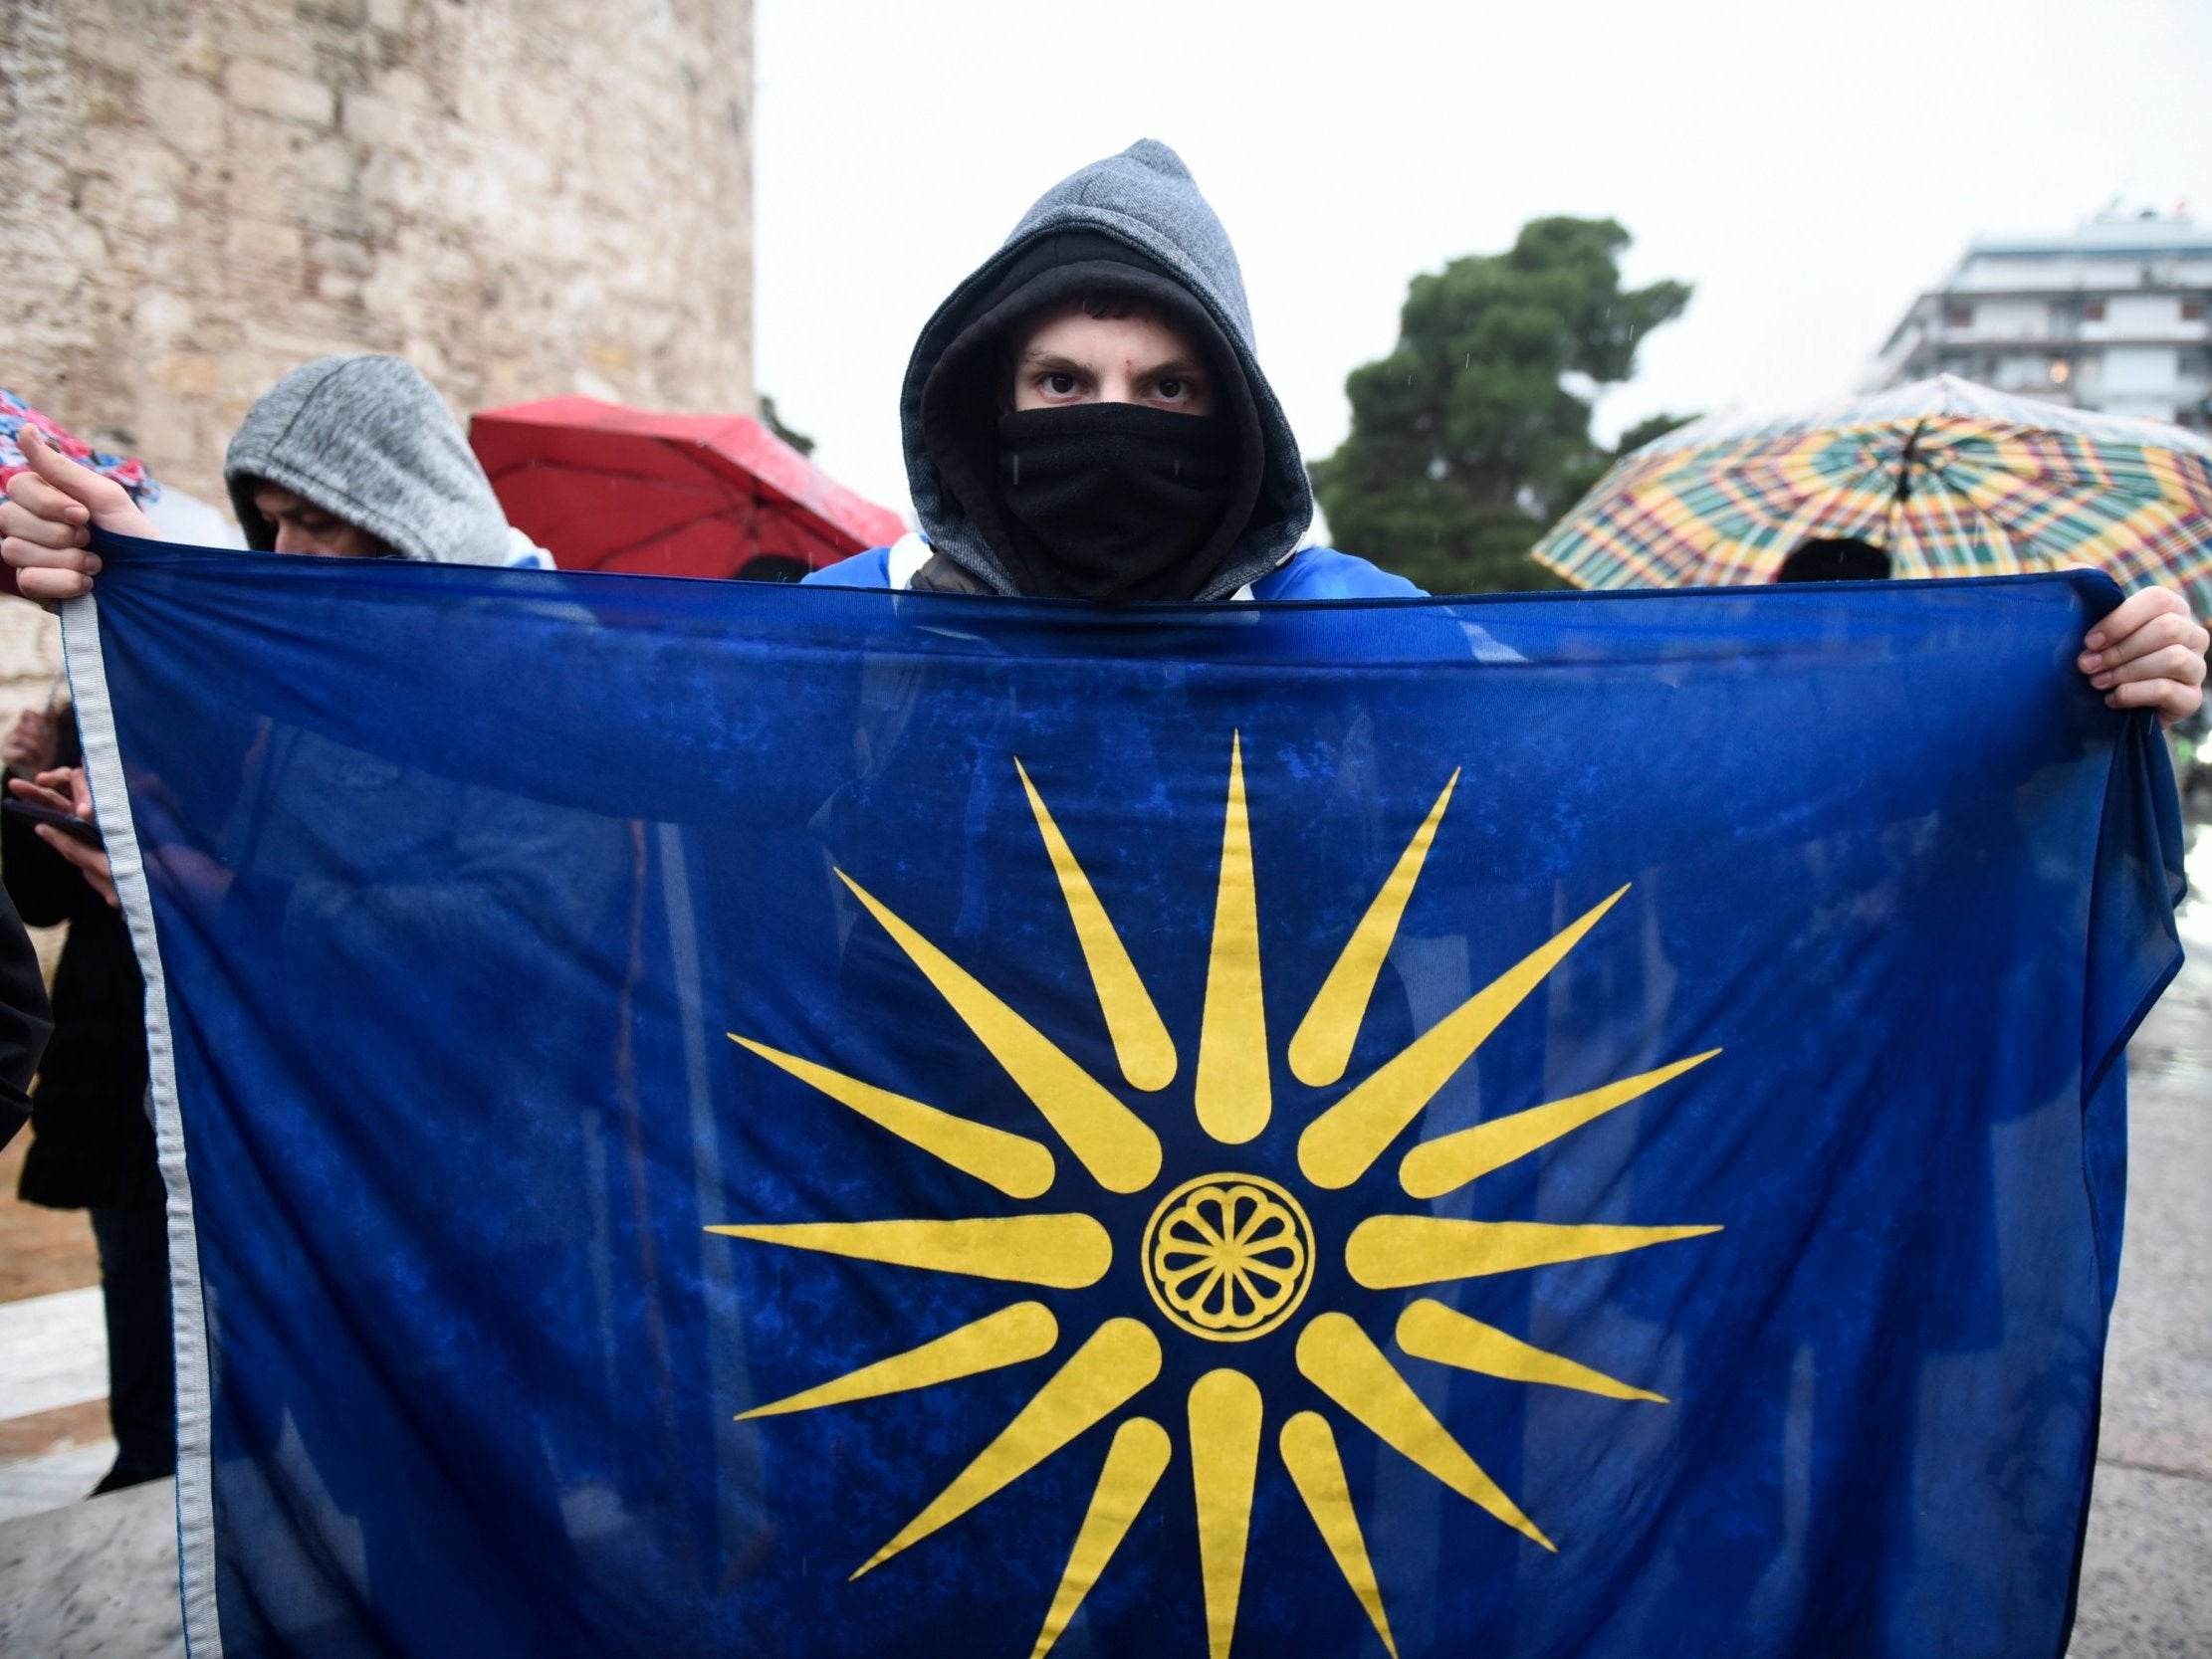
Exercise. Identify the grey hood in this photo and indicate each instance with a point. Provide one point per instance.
(369, 440)
(1145, 201)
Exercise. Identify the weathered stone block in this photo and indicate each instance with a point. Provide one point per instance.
(275, 91)
(187, 373)
(328, 167)
(266, 242)
(160, 316)
(341, 253)
(406, 89)
(185, 112)
(523, 199)
(373, 119)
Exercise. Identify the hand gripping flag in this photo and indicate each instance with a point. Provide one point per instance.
(720, 1120)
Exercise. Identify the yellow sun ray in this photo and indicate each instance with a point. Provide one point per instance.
(1110, 1141)
(1142, 1046)
(1448, 1163)
(1340, 1145)
(1391, 1252)
(1322, 1045)
(1062, 1252)
(1430, 1330)
(1234, 1097)
(1341, 1360)
(1134, 1465)
(1024, 1331)
(1224, 1411)
(1121, 1358)
(1309, 1453)
(1013, 1163)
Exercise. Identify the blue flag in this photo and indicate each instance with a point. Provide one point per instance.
(706, 1119)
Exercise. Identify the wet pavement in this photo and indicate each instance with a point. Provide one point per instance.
(2146, 1572)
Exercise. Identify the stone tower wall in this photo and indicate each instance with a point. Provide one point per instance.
(523, 197)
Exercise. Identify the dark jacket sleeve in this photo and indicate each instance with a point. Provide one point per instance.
(43, 886)
(25, 1021)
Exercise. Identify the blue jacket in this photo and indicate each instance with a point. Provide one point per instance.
(1309, 573)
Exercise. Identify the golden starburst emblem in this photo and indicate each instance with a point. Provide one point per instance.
(1227, 1256)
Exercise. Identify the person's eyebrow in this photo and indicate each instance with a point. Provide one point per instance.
(1052, 360)
(1187, 368)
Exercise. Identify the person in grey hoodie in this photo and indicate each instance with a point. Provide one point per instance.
(360, 457)
(345, 457)
(354, 457)
(351, 455)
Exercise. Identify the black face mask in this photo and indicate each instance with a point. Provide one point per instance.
(1116, 501)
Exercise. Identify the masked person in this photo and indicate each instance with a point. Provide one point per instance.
(1086, 417)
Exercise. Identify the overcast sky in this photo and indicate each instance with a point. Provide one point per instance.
(1809, 168)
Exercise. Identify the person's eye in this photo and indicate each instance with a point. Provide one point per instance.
(1171, 390)
(1060, 385)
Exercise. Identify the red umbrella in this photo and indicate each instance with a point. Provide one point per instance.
(607, 487)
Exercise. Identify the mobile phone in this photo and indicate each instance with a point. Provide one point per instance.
(82, 829)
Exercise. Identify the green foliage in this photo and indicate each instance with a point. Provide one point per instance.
(797, 440)
(1469, 439)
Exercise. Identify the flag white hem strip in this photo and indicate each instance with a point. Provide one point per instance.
(196, 1497)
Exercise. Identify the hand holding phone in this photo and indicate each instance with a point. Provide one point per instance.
(65, 823)
(75, 828)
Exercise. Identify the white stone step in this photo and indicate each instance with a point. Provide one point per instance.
(52, 1352)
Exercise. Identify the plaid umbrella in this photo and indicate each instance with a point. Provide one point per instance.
(1949, 477)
